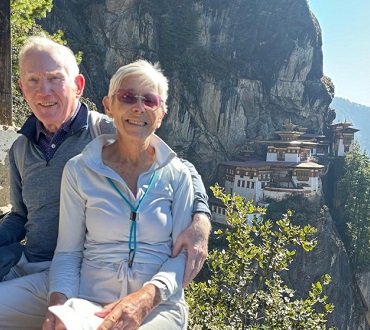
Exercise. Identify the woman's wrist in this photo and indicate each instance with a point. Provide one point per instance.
(57, 298)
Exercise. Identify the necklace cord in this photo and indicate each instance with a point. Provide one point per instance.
(134, 216)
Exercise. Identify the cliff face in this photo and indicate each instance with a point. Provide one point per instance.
(349, 296)
(238, 69)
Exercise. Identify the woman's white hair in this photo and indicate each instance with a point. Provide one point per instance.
(151, 74)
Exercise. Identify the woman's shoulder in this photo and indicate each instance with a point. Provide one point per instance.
(75, 161)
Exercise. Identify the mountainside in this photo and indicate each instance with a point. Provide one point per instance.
(238, 69)
(358, 115)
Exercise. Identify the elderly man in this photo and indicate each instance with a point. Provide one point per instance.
(59, 128)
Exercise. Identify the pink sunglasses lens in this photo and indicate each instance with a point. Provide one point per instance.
(150, 100)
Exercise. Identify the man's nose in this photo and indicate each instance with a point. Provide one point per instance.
(44, 86)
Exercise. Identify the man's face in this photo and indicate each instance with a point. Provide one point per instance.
(49, 91)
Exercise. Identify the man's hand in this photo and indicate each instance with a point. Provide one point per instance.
(130, 311)
(195, 240)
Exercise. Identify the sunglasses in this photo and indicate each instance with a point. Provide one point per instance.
(149, 101)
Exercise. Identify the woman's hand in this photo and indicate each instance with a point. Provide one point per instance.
(129, 312)
(51, 321)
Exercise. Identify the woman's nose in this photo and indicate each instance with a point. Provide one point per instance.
(139, 105)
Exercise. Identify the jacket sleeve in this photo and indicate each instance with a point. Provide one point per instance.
(12, 225)
(200, 195)
(106, 125)
(172, 271)
(64, 275)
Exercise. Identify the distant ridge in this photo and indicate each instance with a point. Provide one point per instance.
(358, 115)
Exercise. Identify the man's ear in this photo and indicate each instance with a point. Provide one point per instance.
(80, 83)
(105, 102)
(21, 86)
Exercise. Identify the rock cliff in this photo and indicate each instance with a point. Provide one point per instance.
(238, 69)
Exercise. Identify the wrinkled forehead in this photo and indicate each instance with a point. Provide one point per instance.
(43, 61)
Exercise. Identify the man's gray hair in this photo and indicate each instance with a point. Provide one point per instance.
(44, 43)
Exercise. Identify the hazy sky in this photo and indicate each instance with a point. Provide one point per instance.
(345, 26)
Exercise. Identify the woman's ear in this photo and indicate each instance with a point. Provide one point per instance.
(159, 123)
(107, 107)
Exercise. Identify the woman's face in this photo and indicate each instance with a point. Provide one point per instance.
(136, 108)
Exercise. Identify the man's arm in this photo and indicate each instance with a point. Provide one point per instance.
(195, 237)
(12, 229)
(200, 194)
(12, 225)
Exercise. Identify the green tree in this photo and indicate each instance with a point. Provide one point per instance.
(245, 290)
(302, 208)
(355, 200)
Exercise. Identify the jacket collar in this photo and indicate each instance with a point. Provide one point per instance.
(80, 122)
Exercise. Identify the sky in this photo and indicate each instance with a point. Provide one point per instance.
(345, 28)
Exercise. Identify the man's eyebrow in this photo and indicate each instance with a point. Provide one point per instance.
(55, 73)
(46, 73)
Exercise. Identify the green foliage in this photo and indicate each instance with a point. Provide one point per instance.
(245, 290)
(355, 199)
(24, 11)
(301, 206)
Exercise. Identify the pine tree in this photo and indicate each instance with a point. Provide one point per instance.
(355, 200)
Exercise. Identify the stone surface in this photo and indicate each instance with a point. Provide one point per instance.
(8, 135)
(237, 69)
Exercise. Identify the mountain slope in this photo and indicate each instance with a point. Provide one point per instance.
(358, 115)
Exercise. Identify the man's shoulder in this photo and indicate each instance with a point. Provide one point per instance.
(19, 144)
(100, 123)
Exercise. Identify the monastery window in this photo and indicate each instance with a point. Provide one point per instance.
(347, 140)
(346, 148)
(280, 155)
(302, 176)
(243, 184)
(248, 183)
(238, 183)
(263, 184)
(252, 185)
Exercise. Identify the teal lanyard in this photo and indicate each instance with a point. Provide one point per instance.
(134, 216)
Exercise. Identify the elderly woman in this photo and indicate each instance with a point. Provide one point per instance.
(124, 201)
